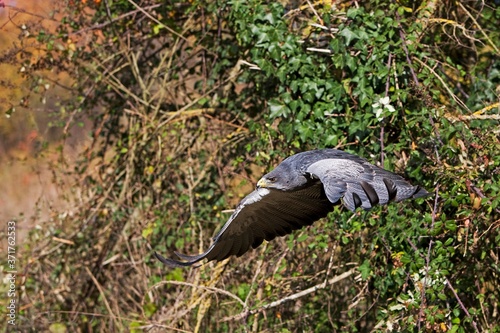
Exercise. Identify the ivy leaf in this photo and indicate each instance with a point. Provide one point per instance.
(349, 35)
(277, 109)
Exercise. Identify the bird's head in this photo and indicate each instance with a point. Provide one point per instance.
(267, 182)
(282, 178)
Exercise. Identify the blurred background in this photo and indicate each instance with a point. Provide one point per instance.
(29, 143)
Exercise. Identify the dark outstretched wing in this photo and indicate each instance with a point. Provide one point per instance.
(263, 214)
(361, 184)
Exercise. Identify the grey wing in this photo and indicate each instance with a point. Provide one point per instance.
(361, 184)
(263, 215)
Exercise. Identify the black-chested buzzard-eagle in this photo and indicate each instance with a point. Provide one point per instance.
(302, 189)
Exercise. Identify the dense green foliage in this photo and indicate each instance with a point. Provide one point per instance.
(192, 101)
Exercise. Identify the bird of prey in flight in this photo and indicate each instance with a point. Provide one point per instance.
(302, 189)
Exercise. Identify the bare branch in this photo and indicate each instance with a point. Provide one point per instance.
(294, 296)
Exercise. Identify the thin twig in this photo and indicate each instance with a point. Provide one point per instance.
(24, 11)
(455, 98)
(313, 49)
(156, 21)
(113, 20)
(479, 27)
(315, 12)
(103, 295)
(257, 273)
(387, 85)
(454, 118)
(293, 296)
(448, 283)
(427, 260)
(101, 315)
(211, 289)
(407, 54)
(487, 108)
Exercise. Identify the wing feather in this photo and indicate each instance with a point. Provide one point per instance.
(370, 192)
(222, 249)
(263, 214)
(245, 243)
(359, 183)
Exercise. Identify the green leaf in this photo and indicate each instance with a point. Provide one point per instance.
(365, 270)
(278, 109)
(57, 328)
(302, 238)
(349, 35)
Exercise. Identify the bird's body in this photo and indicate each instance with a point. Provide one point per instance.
(302, 189)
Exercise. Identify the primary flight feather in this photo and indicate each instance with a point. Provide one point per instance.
(302, 189)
